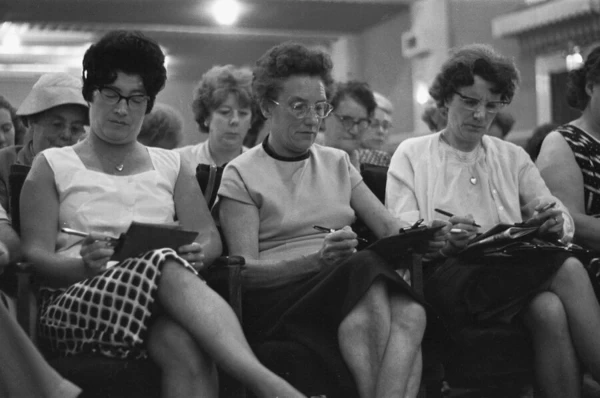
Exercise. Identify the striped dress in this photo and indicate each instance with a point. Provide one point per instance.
(586, 149)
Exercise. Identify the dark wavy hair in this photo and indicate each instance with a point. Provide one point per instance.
(359, 92)
(130, 52)
(578, 78)
(19, 127)
(286, 60)
(475, 60)
(214, 88)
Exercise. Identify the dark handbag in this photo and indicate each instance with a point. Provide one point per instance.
(509, 240)
(209, 178)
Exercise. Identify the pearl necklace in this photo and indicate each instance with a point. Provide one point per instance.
(464, 156)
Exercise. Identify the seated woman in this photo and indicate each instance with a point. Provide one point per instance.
(374, 140)
(162, 128)
(154, 303)
(352, 309)
(55, 114)
(569, 159)
(486, 180)
(223, 108)
(11, 127)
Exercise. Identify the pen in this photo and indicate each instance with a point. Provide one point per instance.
(448, 214)
(419, 222)
(330, 230)
(547, 207)
(456, 231)
(75, 232)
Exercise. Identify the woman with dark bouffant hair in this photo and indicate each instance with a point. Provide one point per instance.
(569, 159)
(224, 109)
(152, 304)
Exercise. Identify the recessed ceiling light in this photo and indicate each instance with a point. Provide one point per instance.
(226, 12)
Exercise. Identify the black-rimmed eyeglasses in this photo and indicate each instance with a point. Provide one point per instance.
(473, 104)
(113, 97)
(349, 122)
(300, 109)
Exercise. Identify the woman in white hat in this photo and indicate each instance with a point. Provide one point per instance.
(55, 114)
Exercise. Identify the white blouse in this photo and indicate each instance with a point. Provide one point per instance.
(493, 184)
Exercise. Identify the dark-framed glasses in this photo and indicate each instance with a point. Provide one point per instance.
(113, 97)
(473, 104)
(385, 125)
(349, 122)
(300, 109)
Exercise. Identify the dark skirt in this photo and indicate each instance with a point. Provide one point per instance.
(465, 292)
(310, 311)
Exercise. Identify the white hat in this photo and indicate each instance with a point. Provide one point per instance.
(51, 90)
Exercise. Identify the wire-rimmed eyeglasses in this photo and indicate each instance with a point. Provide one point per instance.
(473, 104)
(300, 109)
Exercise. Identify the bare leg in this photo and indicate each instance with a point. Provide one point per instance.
(24, 372)
(414, 379)
(363, 335)
(214, 326)
(572, 285)
(187, 371)
(398, 370)
(555, 360)
(379, 340)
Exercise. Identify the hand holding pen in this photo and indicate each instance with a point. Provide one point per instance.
(463, 230)
(96, 249)
(548, 218)
(338, 245)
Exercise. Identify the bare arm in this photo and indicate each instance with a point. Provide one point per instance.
(373, 212)
(11, 241)
(563, 177)
(240, 223)
(39, 224)
(193, 214)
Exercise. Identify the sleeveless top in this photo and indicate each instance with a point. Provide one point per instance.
(586, 149)
(92, 201)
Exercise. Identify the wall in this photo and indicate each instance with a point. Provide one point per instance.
(470, 22)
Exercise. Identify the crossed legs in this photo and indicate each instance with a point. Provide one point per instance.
(213, 326)
(380, 341)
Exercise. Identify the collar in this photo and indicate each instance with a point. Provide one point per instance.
(271, 152)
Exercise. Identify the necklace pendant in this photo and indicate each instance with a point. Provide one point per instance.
(119, 167)
(473, 180)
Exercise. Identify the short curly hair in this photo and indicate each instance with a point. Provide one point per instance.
(214, 88)
(18, 125)
(162, 127)
(475, 60)
(286, 60)
(359, 92)
(577, 79)
(130, 52)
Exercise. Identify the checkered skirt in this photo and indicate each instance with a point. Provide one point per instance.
(108, 314)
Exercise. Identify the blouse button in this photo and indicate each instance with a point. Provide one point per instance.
(501, 208)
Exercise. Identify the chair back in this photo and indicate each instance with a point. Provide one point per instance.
(16, 179)
(375, 177)
(209, 178)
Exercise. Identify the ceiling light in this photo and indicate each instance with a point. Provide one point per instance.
(11, 41)
(226, 12)
(422, 93)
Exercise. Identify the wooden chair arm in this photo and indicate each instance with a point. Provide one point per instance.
(416, 272)
(225, 276)
(26, 301)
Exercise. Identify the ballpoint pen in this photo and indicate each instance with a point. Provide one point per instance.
(330, 230)
(548, 206)
(75, 232)
(448, 214)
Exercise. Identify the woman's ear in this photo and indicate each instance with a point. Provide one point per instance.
(265, 109)
(589, 88)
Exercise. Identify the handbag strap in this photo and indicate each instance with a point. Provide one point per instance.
(210, 186)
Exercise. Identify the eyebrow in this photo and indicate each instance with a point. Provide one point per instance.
(137, 91)
(478, 99)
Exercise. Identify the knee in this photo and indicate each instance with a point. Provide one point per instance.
(174, 349)
(408, 316)
(546, 313)
(571, 272)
